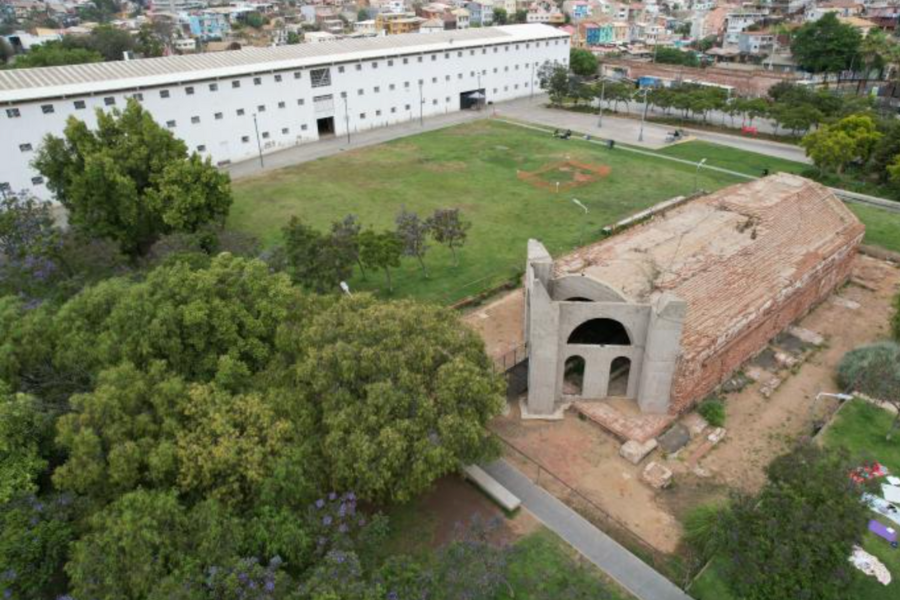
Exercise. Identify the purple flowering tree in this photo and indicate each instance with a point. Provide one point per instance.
(30, 243)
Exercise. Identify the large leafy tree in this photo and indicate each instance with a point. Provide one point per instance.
(832, 147)
(381, 251)
(450, 229)
(319, 261)
(582, 62)
(25, 434)
(55, 54)
(792, 540)
(404, 394)
(826, 45)
(131, 180)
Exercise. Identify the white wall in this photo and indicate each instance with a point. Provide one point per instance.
(375, 96)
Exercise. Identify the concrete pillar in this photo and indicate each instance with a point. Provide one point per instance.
(543, 351)
(661, 354)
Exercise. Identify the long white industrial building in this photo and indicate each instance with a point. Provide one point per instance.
(233, 105)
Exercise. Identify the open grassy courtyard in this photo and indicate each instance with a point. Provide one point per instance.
(475, 167)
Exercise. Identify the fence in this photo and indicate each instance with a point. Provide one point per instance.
(671, 566)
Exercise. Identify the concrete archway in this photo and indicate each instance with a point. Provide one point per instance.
(619, 376)
(573, 376)
(600, 332)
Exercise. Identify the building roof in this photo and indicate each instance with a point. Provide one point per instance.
(20, 85)
(730, 255)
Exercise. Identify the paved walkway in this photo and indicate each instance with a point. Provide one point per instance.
(624, 567)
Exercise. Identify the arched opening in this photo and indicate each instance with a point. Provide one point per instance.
(600, 332)
(578, 299)
(619, 372)
(573, 376)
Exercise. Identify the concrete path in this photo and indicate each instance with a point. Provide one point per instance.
(624, 567)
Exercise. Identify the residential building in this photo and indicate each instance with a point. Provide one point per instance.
(738, 21)
(461, 17)
(261, 100)
(545, 12)
(756, 43)
(397, 23)
(481, 12)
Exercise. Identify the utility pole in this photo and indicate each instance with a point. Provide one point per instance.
(262, 165)
(421, 106)
(697, 173)
(643, 116)
(532, 80)
(602, 96)
(347, 118)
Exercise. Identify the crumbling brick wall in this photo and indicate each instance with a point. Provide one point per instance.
(695, 379)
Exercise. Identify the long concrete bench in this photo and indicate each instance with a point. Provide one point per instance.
(492, 488)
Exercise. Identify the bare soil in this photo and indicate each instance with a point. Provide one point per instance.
(500, 323)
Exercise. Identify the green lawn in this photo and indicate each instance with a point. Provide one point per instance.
(860, 428)
(474, 167)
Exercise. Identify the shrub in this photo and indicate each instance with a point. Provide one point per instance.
(873, 370)
(713, 410)
(701, 528)
(895, 319)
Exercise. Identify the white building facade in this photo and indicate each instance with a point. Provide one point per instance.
(234, 106)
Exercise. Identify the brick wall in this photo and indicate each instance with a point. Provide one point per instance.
(746, 83)
(693, 382)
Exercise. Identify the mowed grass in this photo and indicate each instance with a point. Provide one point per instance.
(860, 428)
(472, 167)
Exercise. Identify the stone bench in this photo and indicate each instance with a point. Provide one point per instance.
(492, 488)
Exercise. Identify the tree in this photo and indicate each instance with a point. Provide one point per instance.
(55, 54)
(554, 78)
(25, 442)
(148, 43)
(796, 118)
(674, 56)
(792, 540)
(893, 170)
(293, 38)
(500, 16)
(413, 232)
(404, 394)
(362, 14)
(380, 251)
(30, 244)
(832, 147)
(346, 235)
(826, 45)
(449, 229)
(316, 261)
(131, 180)
(521, 15)
(873, 369)
(110, 42)
(582, 62)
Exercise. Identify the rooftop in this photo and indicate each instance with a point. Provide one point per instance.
(729, 255)
(19, 85)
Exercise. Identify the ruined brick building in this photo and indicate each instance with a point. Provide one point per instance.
(667, 310)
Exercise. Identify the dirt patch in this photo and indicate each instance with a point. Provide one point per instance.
(500, 323)
(564, 175)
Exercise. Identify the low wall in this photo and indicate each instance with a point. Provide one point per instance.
(693, 384)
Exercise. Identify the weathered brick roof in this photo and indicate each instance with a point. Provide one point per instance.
(732, 255)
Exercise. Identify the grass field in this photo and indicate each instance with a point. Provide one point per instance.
(732, 158)
(860, 428)
(474, 167)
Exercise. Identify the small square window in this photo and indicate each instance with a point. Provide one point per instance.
(109, 101)
(138, 96)
(343, 94)
(406, 84)
(285, 131)
(257, 81)
(433, 57)
(303, 128)
(301, 101)
(341, 69)
(278, 78)
(377, 113)
(25, 147)
(391, 86)
(405, 61)
(265, 135)
(240, 112)
(164, 93)
(375, 64)
(420, 58)
(459, 53)
(447, 99)
(377, 89)
(218, 116)
(393, 109)
(195, 120)
(446, 55)
(245, 139)
(37, 180)
(360, 92)
(214, 87)
(362, 115)
(189, 90)
(201, 148)
(434, 80)
(79, 105)
(235, 84)
(446, 78)
(281, 105)
(358, 67)
(47, 109)
(170, 124)
(261, 108)
(390, 63)
(407, 107)
(297, 74)
(434, 102)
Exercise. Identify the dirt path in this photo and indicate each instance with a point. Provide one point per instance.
(500, 323)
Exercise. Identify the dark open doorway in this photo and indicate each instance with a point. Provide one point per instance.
(473, 99)
(573, 376)
(619, 372)
(325, 126)
(601, 332)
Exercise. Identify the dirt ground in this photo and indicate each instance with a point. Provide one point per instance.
(584, 457)
(500, 323)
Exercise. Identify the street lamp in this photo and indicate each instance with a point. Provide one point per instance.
(643, 115)
(347, 117)
(421, 106)
(602, 97)
(584, 221)
(258, 143)
(345, 288)
(697, 172)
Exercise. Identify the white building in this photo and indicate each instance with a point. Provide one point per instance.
(233, 105)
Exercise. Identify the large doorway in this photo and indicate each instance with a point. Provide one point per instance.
(619, 373)
(600, 332)
(325, 126)
(573, 376)
(472, 100)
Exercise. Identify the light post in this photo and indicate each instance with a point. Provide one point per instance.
(345, 288)
(532, 80)
(643, 116)
(421, 106)
(262, 165)
(697, 173)
(583, 222)
(347, 118)
(602, 97)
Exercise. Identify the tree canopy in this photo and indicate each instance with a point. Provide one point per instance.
(55, 54)
(834, 146)
(130, 180)
(582, 62)
(825, 45)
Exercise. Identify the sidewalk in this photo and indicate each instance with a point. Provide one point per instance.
(612, 558)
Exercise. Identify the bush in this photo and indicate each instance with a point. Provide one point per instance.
(701, 527)
(873, 370)
(713, 410)
(895, 319)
